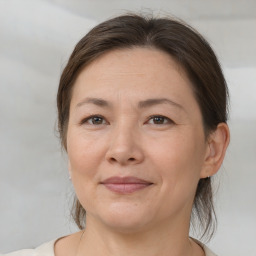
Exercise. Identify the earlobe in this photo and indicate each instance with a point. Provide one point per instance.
(217, 145)
(69, 170)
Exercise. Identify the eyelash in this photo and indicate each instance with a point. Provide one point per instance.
(169, 121)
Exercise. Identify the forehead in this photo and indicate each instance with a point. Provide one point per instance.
(138, 62)
(137, 72)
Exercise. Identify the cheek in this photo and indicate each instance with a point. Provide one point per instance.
(180, 160)
(84, 159)
(84, 154)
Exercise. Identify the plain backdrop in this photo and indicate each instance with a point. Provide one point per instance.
(36, 38)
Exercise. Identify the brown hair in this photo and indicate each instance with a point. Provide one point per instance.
(190, 50)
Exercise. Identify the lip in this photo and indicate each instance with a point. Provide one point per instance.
(125, 185)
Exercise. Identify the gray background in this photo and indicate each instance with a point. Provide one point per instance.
(36, 38)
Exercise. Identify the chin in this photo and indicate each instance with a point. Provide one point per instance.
(127, 227)
(125, 219)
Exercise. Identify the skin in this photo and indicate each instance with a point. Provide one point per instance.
(170, 151)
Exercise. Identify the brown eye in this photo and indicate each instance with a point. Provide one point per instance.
(160, 120)
(94, 120)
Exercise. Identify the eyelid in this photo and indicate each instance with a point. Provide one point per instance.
(168, 119)
(84, 120)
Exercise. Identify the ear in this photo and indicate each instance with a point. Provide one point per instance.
(69, 169)
(217, 144)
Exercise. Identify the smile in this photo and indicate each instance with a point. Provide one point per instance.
(125, 185)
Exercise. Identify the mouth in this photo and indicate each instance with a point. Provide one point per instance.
(125, 185)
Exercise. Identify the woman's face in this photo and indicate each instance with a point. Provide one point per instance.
(135, 140)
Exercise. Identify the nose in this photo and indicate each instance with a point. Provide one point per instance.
(125, 147)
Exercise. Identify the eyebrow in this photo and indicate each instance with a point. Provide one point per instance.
(141, 104)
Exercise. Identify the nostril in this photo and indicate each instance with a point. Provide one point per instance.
(131, 159)
(112, 159)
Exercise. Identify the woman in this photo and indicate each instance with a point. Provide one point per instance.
(142, 108)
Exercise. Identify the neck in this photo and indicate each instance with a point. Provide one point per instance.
(164, 240)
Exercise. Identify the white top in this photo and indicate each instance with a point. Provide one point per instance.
(47, 249)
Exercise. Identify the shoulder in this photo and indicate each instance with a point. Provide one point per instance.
(64, 245)
(46, 249)
(207, 250)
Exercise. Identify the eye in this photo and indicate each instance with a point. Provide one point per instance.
(94, 120)
(160, 120)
